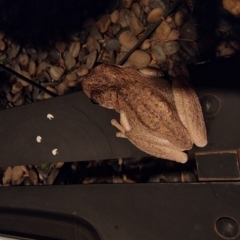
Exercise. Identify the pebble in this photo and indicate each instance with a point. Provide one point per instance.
(7, 176)
(163, 30)
(17, 173)
(82, 54)
(226, 52)
(124, 18)
(71, 76)
(46, 95)
(158, 52)
(173, 35)
(112, 44)
(136, 25)
(127, 39)
(32, 67)
(103, 24)
(23, 60)
(74, 49)
(115, 16)
(33, 176)
(61, 88)
(180, 18)
(70, 62)
(146, 44)
(2, 45)
(16, 87)
(95, 33)
(92, 44)
(91, 59)
(13, 50)
(56, 72)
(163, 4)
(127, 3)
(137, 10)
(189, 31)
(139, 59)
(232, 6)
(52, 176)
(82, 70)
(26, 75)
(155, 15)
(170, 47)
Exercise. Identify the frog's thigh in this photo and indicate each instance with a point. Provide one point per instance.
(189, 110)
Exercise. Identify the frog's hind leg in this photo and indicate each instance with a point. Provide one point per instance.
(189, 110)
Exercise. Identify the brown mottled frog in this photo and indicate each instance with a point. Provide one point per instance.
(161, 118)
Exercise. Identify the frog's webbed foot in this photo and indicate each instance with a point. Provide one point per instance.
(123, 126)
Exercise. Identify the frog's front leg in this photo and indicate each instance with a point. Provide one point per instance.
(189, 110)
(123, 126)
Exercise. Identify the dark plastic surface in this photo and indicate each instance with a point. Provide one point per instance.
(121, 211)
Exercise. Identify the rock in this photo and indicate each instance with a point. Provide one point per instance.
(226, 52)
(33, 176)
(139, 59)
(127, 3)
(114, 16)
(232, 6)
(7, 176)
(92, 44)
(180, 18)
(61, 46)
(56, 72)
(163, 4)
(19, 101)
(136, 25)
(32, 67)
(71, 76)
(95, 33)
(146, 44)
(82, 70)
(112, 44)
(23, 60)
(70, 62)
(91, 59)
(59, 164)
(2, 35)
(127, 39)
(137, 9)
(54, 55)
(124, 18)
(159, 53)
(52, 176)
(155, 15)
(27, 75)
(82, 54)
(13, 50)
(174, 35)
(46, 95)
(163, 30)
(189, 31)
(74, 49)
(170, 47)
(17, 173)
(103, 24)
(2, 45)
(16, 87)
(61, 88)
(72, 83)
(235, 44)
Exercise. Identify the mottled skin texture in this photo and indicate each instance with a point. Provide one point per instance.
(160, 118)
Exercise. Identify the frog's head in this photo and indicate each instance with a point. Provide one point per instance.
(98, 86)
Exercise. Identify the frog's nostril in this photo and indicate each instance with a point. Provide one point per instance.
(211, 105)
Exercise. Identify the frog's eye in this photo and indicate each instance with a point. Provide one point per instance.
(94, 101)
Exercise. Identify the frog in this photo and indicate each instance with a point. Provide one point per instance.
(160, 117)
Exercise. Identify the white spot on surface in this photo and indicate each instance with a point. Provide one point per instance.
(50, 116)
(55, 151)
(39, 139)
